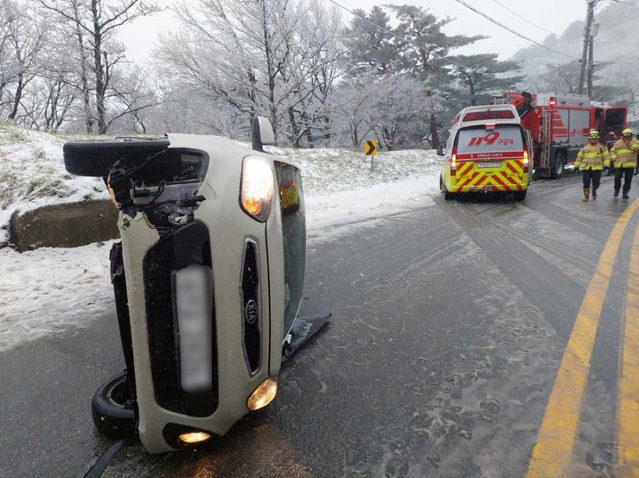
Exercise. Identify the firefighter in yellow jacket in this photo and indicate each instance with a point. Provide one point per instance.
(624, 155)
(591, 161)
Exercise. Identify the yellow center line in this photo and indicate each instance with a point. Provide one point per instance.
(556, 437)
(628, 406)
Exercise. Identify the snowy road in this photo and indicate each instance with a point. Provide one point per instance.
(449, 324)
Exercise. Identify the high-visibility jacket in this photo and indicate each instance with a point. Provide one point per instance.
(592, 156)
(624, 154)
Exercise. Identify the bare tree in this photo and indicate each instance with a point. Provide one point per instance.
(272, 56)
(94, 24)
(131, 97)
(234, 49)
(22, 43)
(312, 72)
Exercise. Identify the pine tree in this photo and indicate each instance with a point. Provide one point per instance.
(370, 43)
(483, 74)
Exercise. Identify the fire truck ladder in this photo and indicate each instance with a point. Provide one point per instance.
(543, 167)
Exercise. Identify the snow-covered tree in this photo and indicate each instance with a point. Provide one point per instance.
(22, 39)
(273, 57)
(415, 47)
(483, 74)
(93, 25)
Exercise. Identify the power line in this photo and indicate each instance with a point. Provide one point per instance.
(470, 7)
(445, 58)
(441, 57)
(522, 17)
(553, 33)
(600, 6)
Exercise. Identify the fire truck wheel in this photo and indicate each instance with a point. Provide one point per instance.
(95, 159)
(113, 413)
(558, 168)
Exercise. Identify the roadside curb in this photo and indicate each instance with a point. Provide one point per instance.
(64, 225)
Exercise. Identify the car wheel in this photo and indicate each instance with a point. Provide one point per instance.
(114, 412)
(442, 188)
(95, 159)
(558, 168)
(520, 195)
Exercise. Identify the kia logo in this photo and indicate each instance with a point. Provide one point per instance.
(250, 312)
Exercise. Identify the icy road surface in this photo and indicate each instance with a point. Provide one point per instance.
(450, 321)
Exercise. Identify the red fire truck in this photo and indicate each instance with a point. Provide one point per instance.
(560, 124)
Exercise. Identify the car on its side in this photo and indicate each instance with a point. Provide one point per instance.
(208, 280)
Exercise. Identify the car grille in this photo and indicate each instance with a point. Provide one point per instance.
(175, 251)
(251, 306)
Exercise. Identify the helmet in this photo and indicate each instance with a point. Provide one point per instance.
(627, 132)
(594, 134)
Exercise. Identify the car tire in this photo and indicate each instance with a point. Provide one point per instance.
(95, 159)
(448, 196)
(113, 413)
(520, 195)
(557, 170)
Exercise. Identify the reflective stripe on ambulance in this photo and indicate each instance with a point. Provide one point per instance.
(508, 177)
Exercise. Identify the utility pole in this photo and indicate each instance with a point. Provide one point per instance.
(590, 18)
(591, 57)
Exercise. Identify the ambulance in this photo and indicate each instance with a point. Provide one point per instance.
(487, 151)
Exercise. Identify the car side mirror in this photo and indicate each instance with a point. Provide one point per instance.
(263, 134)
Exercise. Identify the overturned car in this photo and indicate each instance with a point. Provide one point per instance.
(208, 281)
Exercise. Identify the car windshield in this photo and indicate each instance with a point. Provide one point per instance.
(475, 141)
(289, 180)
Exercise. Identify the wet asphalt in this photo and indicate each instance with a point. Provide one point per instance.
(449, 324)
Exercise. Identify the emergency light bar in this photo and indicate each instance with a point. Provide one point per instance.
(488, 115)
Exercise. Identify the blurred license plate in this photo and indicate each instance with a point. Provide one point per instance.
(489, 165)
(193, 301)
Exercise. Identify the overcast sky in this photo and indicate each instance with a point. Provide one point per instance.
(553, 15)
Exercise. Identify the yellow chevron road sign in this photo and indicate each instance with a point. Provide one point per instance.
(370, 147)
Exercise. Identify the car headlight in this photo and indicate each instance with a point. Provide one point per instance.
(257, 188)
(262, 395)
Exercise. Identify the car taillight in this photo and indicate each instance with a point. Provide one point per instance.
(526, 161)
(453, 161)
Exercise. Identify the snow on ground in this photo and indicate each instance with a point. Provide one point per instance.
(335, 170)
(32, 175)
(51, 290)
(327, 214)
(46, 291)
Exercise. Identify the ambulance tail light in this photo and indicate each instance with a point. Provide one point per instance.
(453, 161)
(526, 161)
(552, 102)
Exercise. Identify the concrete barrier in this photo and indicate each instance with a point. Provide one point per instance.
(64, 225)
